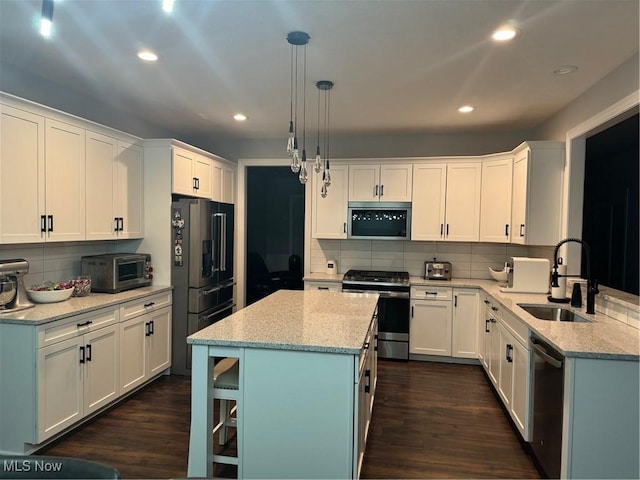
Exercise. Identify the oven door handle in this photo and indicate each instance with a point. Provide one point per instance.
(382, 293)
(224, 306)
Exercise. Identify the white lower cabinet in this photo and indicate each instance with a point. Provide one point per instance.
(145, 347)
(464, 335)
(57, 374)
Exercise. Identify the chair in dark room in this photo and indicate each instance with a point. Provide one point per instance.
(35, 466)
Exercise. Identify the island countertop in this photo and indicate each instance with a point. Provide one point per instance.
(306, 320)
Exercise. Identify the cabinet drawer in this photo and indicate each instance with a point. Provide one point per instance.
(144, 305)
(429, 292)
(518, 328)
(60, 330)
(327, 286)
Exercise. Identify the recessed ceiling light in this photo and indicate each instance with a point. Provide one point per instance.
(239, 117)
(167, 6)
(564, 69)
(147, 56)
(505, 33)
(466, 109)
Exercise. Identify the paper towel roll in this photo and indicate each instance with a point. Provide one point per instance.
(561, 290)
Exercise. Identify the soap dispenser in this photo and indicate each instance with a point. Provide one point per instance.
(576, 296)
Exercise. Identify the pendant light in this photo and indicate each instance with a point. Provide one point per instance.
(297, 40)
(324, 89)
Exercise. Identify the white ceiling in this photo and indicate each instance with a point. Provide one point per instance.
(397, 65)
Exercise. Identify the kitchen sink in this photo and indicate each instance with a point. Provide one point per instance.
(554, 314)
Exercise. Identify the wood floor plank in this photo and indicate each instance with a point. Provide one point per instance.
(430, 420)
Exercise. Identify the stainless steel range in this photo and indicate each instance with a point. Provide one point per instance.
(393, 307)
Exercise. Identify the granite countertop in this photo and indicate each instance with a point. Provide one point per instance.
(602, 337)
(308, 320)
(49, 312)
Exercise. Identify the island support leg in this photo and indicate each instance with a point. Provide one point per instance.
(201, 439)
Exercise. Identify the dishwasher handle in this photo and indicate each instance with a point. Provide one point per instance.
(540, 350)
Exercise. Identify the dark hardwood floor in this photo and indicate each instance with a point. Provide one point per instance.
(430, 420)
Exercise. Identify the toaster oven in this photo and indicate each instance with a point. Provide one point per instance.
(117, 272)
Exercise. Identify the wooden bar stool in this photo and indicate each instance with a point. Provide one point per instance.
(225, 389)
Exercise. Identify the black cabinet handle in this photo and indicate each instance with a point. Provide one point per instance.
(381, 190)
(366, 345)
(375, 194)
(43, 224)
(84, 324)
(411, 311)
(506, 230)
(151, 327)
(455, 300)
(441, 229)
(486, 325)
(117, 224)
(487, 302)
(147, 329)
(88, 352)
(447, 229)
(150, 304)
(344, 227)
(81, 354)
(194, 183)
(121, 224)
(522, 229)
(50, 218)
(508, 353)
(367, 375)
(495, 309)
(323, 288)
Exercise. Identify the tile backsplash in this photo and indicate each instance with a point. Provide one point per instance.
(469, 260)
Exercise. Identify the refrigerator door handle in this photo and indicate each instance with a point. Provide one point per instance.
(223, 243)
(215, 240)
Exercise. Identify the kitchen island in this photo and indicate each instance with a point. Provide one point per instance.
(306, 380)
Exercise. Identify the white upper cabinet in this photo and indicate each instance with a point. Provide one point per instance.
(329, 214)
(192, 174)
(21, 175)
(389, 182)
(495, 200)
(536, 209)
(446, 201)
(64, 213)
(223, 180)
(115, 185)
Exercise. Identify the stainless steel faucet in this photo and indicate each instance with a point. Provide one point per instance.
(592, 284)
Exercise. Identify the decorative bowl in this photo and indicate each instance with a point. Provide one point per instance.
(49, 296)
(499, 275)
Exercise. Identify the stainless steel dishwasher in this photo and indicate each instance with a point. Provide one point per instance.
(547, 406)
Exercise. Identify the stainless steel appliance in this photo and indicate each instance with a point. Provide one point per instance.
(393, 307)
(379, 220)
(437, 270)
(527, 275)
(548, 384)
(117, 272)
(13, 295)
(202, 271)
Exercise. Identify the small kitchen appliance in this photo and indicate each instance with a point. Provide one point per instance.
(528, 275)
(437, 270)
(13, 295)
(332, 267)
(117, 272)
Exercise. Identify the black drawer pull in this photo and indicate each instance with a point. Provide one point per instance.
(84, 324)
(150, 304)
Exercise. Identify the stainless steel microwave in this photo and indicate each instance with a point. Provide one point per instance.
(116, 272)
(379, 220)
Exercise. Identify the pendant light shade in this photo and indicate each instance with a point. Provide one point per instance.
(324, 94)
(297, 40)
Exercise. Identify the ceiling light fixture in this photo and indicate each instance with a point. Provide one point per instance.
(46, 18)
(239, 117)
(167, 5)
(564, 69)
(466, 109)
(147, 56)
(296, 40)
(505, 33)
(324, 86)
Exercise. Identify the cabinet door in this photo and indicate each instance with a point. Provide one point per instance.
(228, 182)
(430, 328)
(521, 378)
(21, 175)
(65, 181)
(100, 177)
(519, 204)
(428, 201)
(101, 384)
(483, 338)
(158, 345)
(505, 375)
(495, 201)
(203, 172)
(462, 205)
(129, 166)
(182, 176)
(216, 179)
(465, 324)
(60, 389)
(364, 183)
(133, 366)
(492, 348)
(395, 182)
(329, 214)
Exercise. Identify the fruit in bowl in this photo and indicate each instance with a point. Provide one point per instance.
(50, 292)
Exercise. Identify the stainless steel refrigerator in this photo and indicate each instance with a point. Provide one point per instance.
(202, 271)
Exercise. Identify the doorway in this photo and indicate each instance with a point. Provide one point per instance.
(275, 209)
